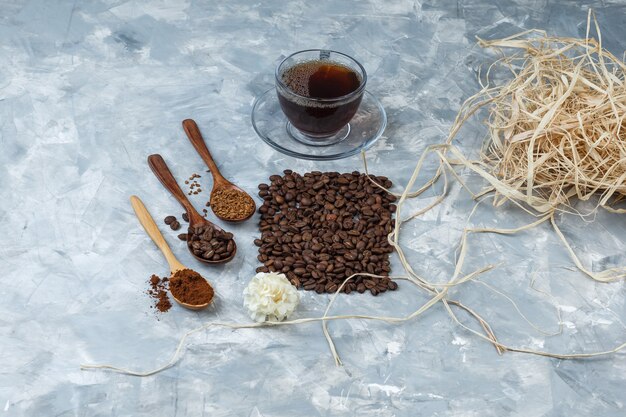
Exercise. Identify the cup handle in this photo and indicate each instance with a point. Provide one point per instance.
(324, 55)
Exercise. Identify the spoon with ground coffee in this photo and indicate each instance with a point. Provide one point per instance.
(228, 202)
(188, 288)
(206, 241)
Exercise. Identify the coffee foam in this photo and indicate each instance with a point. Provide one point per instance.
(296, 78)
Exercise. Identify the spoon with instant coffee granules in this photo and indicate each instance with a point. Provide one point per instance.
(228, 202)
(188, 287)
(206, 241)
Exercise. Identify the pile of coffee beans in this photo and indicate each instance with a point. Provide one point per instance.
(209, 243)
(322, 227)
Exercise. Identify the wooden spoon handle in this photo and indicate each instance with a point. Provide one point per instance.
(153, 231)
(195, 137)
(163, 173)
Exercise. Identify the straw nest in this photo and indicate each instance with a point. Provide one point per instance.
(556, 128)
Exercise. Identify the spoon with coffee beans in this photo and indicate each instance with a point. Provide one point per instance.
(179, 272)
(206, 241)
(229, 202)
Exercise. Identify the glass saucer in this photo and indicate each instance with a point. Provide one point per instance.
(272, 126)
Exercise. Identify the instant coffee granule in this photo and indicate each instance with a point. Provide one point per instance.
(231, 204)
(322, 227)
(189, 287)
(158, 292)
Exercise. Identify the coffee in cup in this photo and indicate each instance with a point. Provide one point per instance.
(319, 92)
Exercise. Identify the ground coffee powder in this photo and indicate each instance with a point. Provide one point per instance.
(189, 287)
(158, 292)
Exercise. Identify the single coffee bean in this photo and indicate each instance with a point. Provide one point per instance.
(351, 256)
(185, 217)
(182, 236)
(169, 219)
(369, 284)
(175, 225)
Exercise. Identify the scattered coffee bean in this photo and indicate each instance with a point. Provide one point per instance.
(169, 220)
(322, 227)
(185, 217)
(209, 243)
(175, 225)
(192, 183)
(183, 236)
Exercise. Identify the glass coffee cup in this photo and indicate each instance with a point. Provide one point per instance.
(319, 92)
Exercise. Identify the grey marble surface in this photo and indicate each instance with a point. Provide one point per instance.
(89, 89)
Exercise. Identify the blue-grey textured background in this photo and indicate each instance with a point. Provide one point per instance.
(89, 89)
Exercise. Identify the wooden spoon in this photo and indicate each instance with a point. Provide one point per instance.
(163, 173)
(151, 228)
(219, 182)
